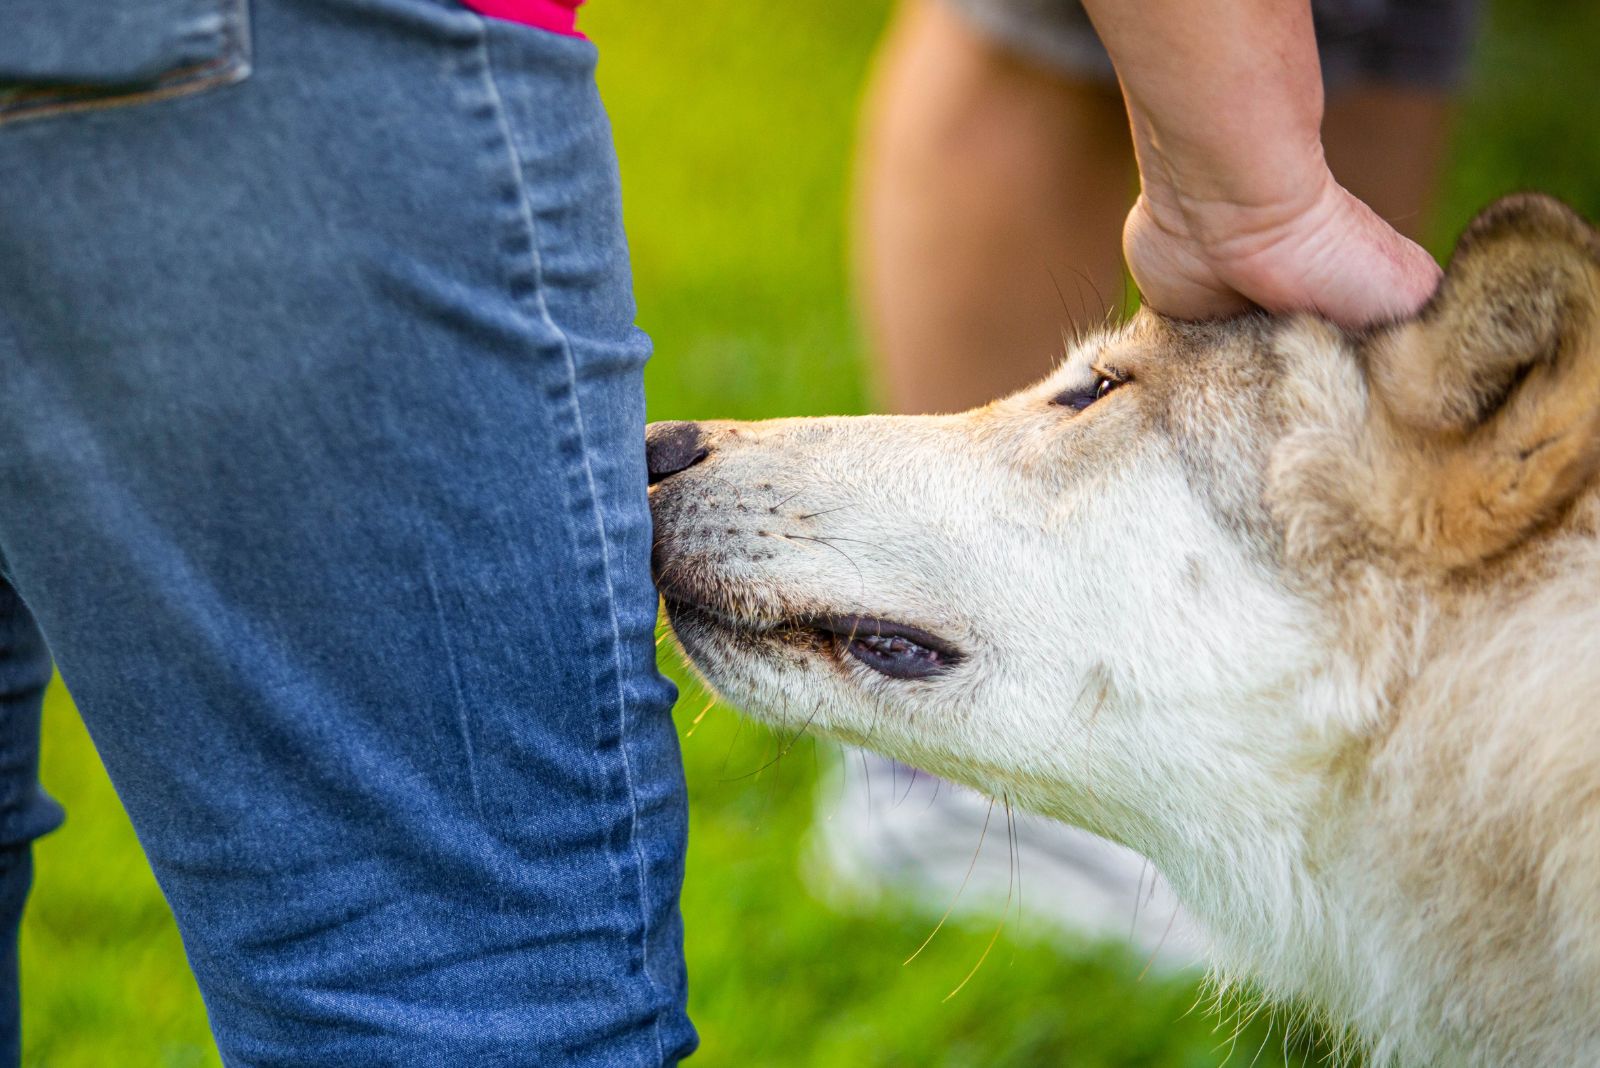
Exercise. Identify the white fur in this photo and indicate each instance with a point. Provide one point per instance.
(1166, 644)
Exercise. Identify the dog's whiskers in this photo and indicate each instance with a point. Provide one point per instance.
(786, 500)
(910, 785)
(1154, 953)
(866, 778)
(959, 890)
(1005, 912)
(825, 511)
(828, 542)
(986, 950)
(792, 742)
(738, 729)
(1016, 854)
(695, 723)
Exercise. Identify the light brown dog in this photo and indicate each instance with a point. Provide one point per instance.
(1311, 619)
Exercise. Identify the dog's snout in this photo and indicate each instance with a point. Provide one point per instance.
(672, 447)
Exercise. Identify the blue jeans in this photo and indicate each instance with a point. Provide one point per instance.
(322, 480)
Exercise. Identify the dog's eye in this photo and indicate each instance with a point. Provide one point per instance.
(1079, 399)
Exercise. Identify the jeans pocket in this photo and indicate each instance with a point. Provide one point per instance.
(59, 56)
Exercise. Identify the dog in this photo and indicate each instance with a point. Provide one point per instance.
(1311, 618)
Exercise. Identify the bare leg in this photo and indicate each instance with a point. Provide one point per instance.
(1386, 145)
(990, 201)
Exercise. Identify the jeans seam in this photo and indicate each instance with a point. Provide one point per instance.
(542, 310)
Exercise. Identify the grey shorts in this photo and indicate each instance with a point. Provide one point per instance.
(1423, 44)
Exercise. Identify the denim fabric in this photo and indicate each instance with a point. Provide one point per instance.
(77, 43)
(322, 475)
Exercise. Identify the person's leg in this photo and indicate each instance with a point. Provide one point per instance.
(990, 197)
(25, 811)
(323, 474)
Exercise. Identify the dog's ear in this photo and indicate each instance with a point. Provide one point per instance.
(1487, 404)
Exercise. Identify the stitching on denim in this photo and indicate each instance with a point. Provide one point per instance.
(231, 65)
(536, 267)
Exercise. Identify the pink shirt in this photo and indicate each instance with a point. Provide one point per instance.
(557, 16)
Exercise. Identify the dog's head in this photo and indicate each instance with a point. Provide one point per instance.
(1171, 578)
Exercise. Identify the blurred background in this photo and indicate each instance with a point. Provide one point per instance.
(734, 122)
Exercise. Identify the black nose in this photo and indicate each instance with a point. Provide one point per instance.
(672, 447)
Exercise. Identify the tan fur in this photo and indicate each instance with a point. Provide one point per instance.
(1313, 620)
(1489, 402)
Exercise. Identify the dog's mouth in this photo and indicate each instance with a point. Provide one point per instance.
(890, 648)
(897, 650)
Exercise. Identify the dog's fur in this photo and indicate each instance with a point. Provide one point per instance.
(1311, 619)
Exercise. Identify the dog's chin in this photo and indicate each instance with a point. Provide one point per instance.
(751, 665)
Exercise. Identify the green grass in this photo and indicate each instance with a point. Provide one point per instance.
(734, 120)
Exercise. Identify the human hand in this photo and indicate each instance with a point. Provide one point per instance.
(1237, 205)
(1321, 250)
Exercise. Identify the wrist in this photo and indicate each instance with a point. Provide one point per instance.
(1225, 99)
(1329, 254)
(1231, 210)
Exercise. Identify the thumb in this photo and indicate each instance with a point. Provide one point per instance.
(1369, 272)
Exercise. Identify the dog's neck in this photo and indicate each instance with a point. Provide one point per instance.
(1376, 879)
(1273, 860)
